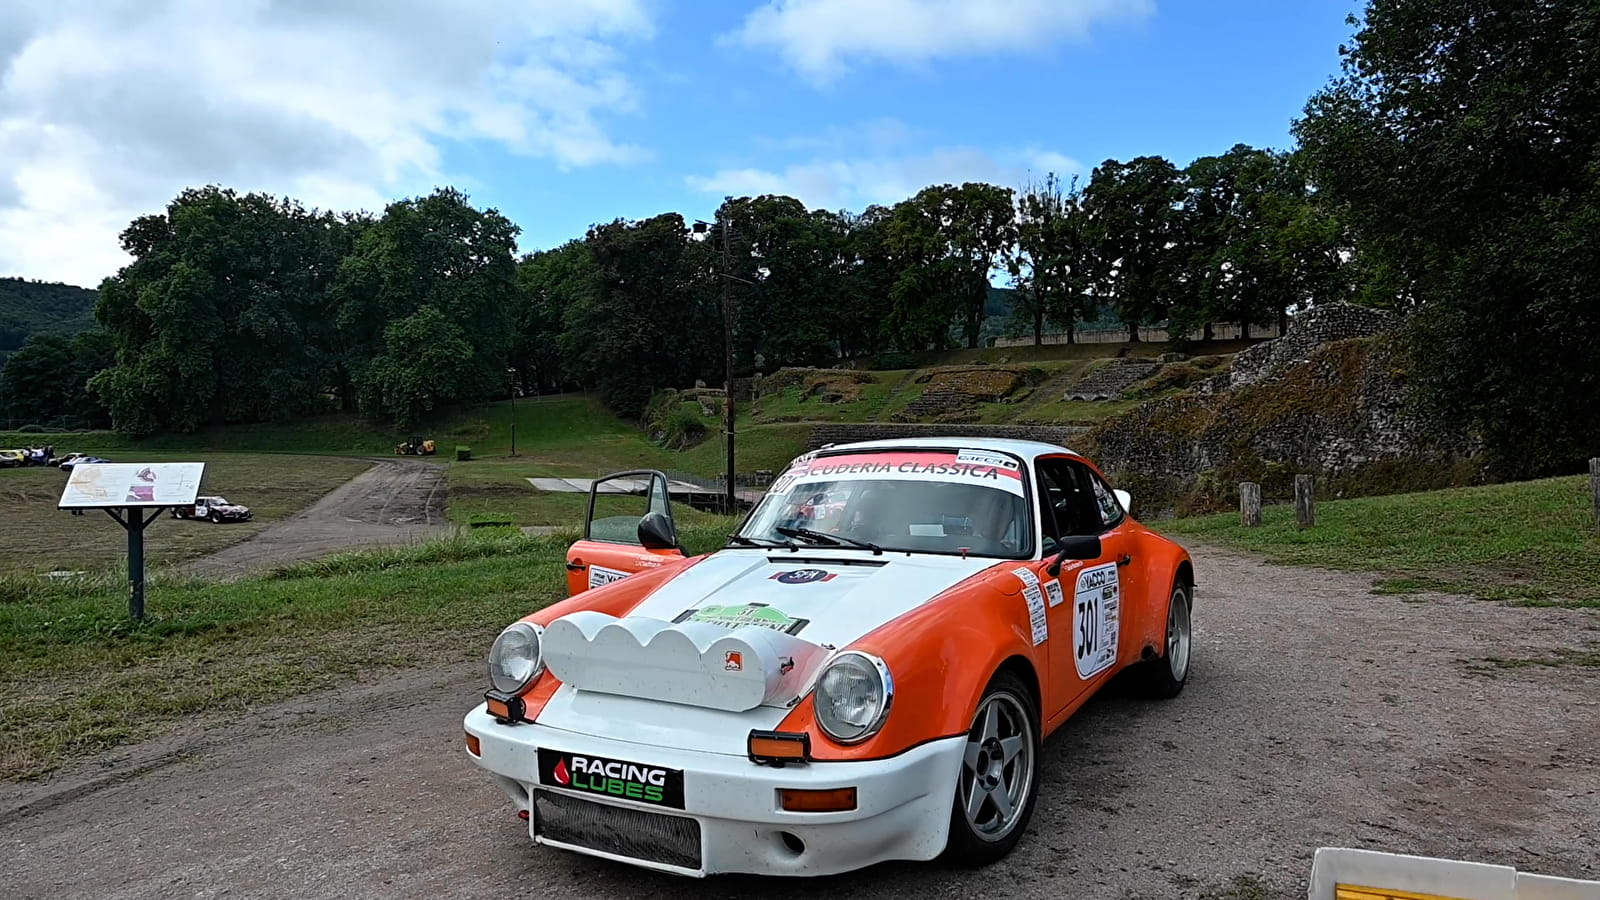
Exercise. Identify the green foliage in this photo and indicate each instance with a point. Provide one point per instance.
(674, 422)
(1460, 146)
(47, 381)
(1051, 261)
(1132, 225)
(36, 307)
(947, 238)
(426, 363)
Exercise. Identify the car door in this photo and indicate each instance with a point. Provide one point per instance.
(628, 529)
(1085, 597)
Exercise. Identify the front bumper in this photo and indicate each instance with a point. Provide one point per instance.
(902, 803)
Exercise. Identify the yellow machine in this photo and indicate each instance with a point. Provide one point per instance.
(414, 447)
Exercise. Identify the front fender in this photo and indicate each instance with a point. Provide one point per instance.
(940, 656)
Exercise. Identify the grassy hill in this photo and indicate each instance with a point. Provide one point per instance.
(36, 307)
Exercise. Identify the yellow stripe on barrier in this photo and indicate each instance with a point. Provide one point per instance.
(1353, 892)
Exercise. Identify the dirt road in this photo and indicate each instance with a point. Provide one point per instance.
(1317, 714)
(397, 501)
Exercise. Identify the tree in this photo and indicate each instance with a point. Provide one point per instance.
(46, 382)
(1132, 225)
(950, 239)
(651, 320)
(551, 282)
(439, 252)
(1049, 265)
(426, 364)
(215, 319)
(1459, 146)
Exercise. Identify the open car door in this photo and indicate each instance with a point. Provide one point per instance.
(629, 528)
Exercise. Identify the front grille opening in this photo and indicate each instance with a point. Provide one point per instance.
(633, 833)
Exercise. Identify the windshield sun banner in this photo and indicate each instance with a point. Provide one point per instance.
(978, 467)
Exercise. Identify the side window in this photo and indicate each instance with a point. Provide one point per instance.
(1104, 512)
(1067, 499)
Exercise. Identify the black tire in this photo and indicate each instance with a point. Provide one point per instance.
(1164, 677)
(216, 518)
(970, 842)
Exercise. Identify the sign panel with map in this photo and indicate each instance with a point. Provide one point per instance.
(99, 485)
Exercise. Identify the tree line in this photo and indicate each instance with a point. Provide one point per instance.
(1447, 173)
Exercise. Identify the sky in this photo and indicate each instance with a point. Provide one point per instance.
(566, 113)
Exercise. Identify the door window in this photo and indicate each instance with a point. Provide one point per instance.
(618, 502)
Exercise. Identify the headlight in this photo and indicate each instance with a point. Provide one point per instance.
(852, 696)
(515, 659)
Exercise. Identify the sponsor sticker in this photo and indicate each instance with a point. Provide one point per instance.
(599, 575)
(1052, 589)
(618, 778)
(987, 458)
(1096, 614)
(733, 661)
(803, 576)
(932, 465)
(1037, 620)
(757, 614)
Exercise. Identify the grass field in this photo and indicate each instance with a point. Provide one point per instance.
(37, 537)
(80, 677)
(1531, 542)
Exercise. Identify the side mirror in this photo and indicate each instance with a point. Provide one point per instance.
(1126, 499)
(656, 532)
(1078, 546)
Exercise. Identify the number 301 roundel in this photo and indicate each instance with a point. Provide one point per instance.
(1095, 608)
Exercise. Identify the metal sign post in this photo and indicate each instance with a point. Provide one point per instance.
(132, 518)
(126, 491)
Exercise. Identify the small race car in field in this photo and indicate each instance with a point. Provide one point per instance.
(865, 673)
(13, 459)
(67, 465)
(213, 509)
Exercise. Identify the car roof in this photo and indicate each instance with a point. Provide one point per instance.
(1027, 450)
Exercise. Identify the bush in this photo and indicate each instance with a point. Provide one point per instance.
(894, 360)
(673, 422)
(463, 453)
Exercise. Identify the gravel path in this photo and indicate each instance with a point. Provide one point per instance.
(1316, 714)
(397, 501)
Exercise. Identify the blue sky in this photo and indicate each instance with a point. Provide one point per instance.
(564, 113)
(1189, 80)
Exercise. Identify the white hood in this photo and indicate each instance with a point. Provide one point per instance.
(730, 644)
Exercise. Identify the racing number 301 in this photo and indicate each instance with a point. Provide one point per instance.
(1088, 620)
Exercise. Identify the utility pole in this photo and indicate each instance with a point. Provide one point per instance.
(731, 500)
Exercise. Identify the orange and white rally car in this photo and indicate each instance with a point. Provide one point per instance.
(851, 681)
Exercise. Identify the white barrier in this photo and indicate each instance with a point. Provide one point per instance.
(1342, 874)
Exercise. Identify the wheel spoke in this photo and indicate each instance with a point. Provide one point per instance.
(974, 749)
(1001, 796)
(991, 722)
(1012, 746)
(975, 795)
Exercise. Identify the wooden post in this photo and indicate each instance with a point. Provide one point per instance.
(1305, 501)
(1249, 504)
(1594, 486)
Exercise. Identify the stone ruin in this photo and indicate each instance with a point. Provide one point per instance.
(1307, 331)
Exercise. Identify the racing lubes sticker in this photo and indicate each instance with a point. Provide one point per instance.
(599, 575)
(1035, 598)
(618, 778)
(1095, 616)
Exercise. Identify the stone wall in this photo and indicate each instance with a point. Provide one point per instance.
(1336, 411)
(1311, 329)
(879, 431)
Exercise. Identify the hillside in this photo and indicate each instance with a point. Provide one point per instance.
(35, 307)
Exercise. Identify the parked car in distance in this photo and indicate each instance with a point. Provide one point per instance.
(213, 509)
(70, 464)
(13, 459)
(65, 457)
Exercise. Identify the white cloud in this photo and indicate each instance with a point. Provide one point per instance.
(859, 182)
(109, 108)
(820, 38)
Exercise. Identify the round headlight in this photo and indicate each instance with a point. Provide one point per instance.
(515, 659)
(852, 696)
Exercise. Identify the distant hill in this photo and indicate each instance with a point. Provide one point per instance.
(37, 307)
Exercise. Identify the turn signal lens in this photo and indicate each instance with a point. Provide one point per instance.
(498, 708)
(473, 745)
(835, 800)
(778, 747)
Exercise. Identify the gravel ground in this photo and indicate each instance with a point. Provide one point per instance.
(1316, 714)
(397, 501)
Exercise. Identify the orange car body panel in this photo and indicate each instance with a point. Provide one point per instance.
(586, 558)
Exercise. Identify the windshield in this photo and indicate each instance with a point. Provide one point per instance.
(925, 501)
(219, 501)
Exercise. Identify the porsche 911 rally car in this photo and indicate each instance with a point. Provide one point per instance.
(857, 679)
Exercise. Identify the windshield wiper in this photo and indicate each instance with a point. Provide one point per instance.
(824, 537)
(743, 541)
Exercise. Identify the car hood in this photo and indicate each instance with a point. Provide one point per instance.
(731, 644)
